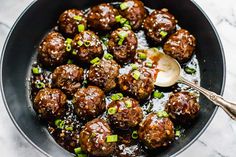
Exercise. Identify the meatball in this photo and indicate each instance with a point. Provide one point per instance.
(87, 46)
(102, 17)
(89, 102)
(134, 12)
(180, 45)
(128, 113)
(182, 107)
(50, 103)
(69, 21)
(138, 83)
(156, 132)
(67, 78)
(93, 138)
(159, 24)
(123, 51)
(104, 74)
(52, 50)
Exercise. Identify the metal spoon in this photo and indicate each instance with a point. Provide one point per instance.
(169, 74)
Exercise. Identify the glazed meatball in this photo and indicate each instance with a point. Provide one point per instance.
(125, 51)
(159, 25)
(52, 50)
(182, 107)
(102, 17)
(128, 113)
(134, 12)
(93, 138)
(138, 83)
(156, 132)
(180, 45)
(89, 102)
(87, 46)
(50, 103)
(69, 21)
(104, 74)
(67, 78)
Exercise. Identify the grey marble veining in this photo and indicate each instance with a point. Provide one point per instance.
(219, 140)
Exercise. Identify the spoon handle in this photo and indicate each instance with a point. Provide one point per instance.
(228, 107)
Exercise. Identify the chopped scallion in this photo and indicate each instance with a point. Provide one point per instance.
(124, 6)
(163, 34)
(39, 85)
(118, 18)
(120, 42)
(95, 60)
(35, 70)
(123, 34)
(60, 123)
(158, 94)
(78, 18)
(148, 64)
(78, 150)
(81, 28)
(112, 138)
(117, 96)
(135, 134)
(70, 61)
(112, 110)
(128, 103)
(177, 133)
(189, 70)
(68, 48)
(87, 43)
(74, 53)
(127, 26)
(162, 114)
(80, 43)
(142, 56)
(108, 56)
(134, 66)
(136, 75)
(69, 128)
(123, 20)
(68, 41)
(81, 155)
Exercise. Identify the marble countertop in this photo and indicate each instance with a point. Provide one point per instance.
(219, 140)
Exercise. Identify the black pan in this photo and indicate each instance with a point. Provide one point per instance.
(42, 15)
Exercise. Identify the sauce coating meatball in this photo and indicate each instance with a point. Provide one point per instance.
(182, 107)
(87, 46)
(52, 50)
(128, 113)
(180, 45)
(156, 132)
(159, 24)
(93, 138)
(67, 78)
(138, 83)
(70, 19)
(134, 12)
(104, 74)
(89, 102)
(102, 17)
(125, 51)
(50, 103)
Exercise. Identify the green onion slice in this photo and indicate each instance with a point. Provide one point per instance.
(81, 28)
(74, 53)
(108, 56)
(158, 94)
(123, 34)
(117, 96)
(112, 110)
(163, 34)
(95, 60)
(142, 56)
(134, 66)
(118, 18)
(112, 138)
(39, 85)
(78, 18)
(87, 43)
(162, 114)
(78, 150)
(124, 6)
(136, 75)
(60, 123)
(135, 135)
(81, 155)
(68, 41)
(69, 128)
(128, 103)
(189, 70)
(148, 64)
(123, 20)
(177, 133)
(80, 43)
(121, 41)
(127, 26)
(68, 48)
(70, 61)
(35, 70)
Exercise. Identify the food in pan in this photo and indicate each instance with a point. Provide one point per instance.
(93, 81)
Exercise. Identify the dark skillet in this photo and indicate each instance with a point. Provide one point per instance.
(42, 15)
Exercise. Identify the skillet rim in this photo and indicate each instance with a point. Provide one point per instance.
(175, 154)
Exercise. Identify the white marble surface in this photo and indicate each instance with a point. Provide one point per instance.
(219, 140)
